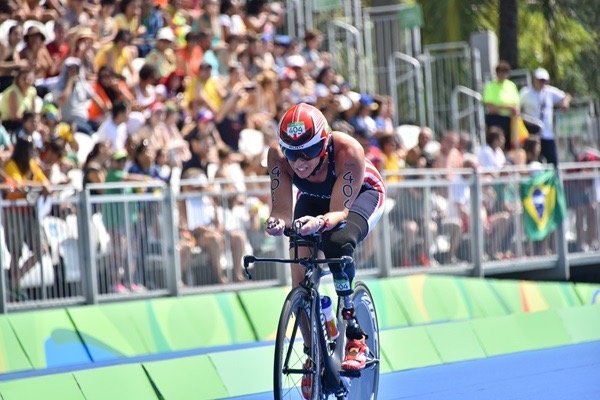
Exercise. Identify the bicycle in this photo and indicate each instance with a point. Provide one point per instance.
(303, 303)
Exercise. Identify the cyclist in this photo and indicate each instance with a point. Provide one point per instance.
(335, 184)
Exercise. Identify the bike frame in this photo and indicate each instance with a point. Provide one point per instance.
(312, 276)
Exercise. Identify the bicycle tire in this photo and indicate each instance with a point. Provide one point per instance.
(365, 387)
(289, 354)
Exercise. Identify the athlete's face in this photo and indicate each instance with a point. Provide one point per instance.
(303, 168)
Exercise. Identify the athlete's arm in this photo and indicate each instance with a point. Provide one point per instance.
(350, 172)
(281, 192)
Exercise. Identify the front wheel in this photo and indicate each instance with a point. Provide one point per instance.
(365, 387)
(290, 360)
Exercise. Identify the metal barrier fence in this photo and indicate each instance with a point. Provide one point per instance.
(127, 241)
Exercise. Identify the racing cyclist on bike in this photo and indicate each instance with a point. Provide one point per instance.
(335, 184)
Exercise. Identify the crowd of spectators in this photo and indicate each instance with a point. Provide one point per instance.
(138, 90)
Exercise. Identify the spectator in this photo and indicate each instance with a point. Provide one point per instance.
(312, 45)
(538, 101)
(115, 218)
(117, 54)
(197, 222)
(152, 22)
(17, 99)
(75, 13)
(231, 19)
(105, 25)
(449, 157)
(52, 166)
(209, 21)
(59, 47)
(145, 90)
(128, 19)
(178, 148)
(204, 90)
(94, 168)
(9, 55)
(83, 49)
(189, 57)
(492, 154)
(144, 161)
(36, 54)
(73, 93)
(363, 120)
(114, 129)
(154, 130)
(22, 225)
(162, 55)
(384, 115)
(416, 153)
(393, 157)
(501, 100)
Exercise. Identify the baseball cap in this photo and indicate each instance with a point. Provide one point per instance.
(72, 61)
(296, 61)
(541, 74)
(165, 34)
(119, 155)
(205, 116)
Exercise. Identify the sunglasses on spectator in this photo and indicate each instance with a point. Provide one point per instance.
(306, 154)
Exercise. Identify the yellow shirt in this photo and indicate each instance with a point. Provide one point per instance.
(122, 23)
(25, 101)
(164, 62)
(392, 163)
(209, 90)
(503, 93)
(15, 174)
(106, 56)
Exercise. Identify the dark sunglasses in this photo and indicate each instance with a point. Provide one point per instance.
(306, 154)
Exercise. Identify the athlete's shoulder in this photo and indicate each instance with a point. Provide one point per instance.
(346, 144)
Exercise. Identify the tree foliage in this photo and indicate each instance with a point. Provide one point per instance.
(561, 35)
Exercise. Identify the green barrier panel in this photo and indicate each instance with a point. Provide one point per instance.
(582, 323)
(559, 294)
(197, 321)
(481, 298)
(588, 293)
(389, 312)
(455, 341)
(500, 335)
(529, 296)
(122, 382)
(543, 329)
(12, 356)
(450, 297)
(49, 338)
(418, 299)
(109, 331)
(186, 378)
(263, 307)
(50, 387)
(245, 371)
(407, 348)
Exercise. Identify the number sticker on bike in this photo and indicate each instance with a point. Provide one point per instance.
(341, 285)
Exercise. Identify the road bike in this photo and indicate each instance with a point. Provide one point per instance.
(302, 307)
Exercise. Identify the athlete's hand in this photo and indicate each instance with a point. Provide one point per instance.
(308, 225)
(275, 226)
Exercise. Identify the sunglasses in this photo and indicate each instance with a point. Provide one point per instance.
(306, 154)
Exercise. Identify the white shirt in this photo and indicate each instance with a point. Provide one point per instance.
(490, 158)
(540, 104)
(116, 134)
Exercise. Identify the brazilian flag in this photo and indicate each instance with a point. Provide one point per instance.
(543, 204)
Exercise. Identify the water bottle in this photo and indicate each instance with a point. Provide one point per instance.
(330, 320)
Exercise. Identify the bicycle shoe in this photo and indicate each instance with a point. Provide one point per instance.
(356, 355)
(306, 383)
